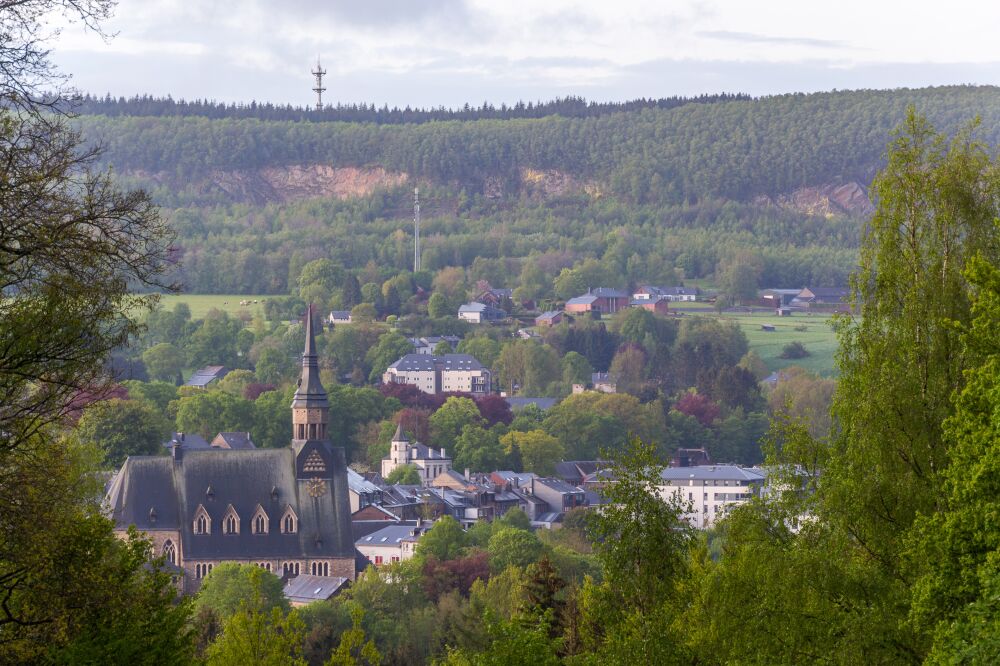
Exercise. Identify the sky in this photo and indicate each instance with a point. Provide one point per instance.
(427, 53)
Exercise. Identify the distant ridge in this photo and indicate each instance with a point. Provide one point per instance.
(569, 107)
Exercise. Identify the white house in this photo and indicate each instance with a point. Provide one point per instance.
(477, 313)
(429, 462)
(394, 543)
(440, 374)
(339, 317)
(708, 491)
(649, 292)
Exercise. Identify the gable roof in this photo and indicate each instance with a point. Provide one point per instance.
(429, 363)
(549, 315)
(711, 472)
(204, 376)
(586, 299)
(160, 492)
(306, 588)
(390, 535)
(233, 440)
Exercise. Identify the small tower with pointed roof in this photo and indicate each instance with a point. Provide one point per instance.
(400, 452)
(310, 407)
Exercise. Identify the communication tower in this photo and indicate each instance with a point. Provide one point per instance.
(416, 229)
(319, 73)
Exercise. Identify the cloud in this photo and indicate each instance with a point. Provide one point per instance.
(376, 13)
(754, 38)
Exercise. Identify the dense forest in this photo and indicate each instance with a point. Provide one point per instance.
(654, 192)
(570, 107)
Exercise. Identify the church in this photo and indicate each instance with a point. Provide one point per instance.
(286, 510)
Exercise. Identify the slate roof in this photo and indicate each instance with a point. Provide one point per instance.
(306, 588)
(586, 299)
(427, 363)
(340, 315)
(559, 486)
(204, 376)
(548, 315)
(390, 535)
(164, 493)
(187, 440)
(234, 440)
(360, 484)
(712, 472)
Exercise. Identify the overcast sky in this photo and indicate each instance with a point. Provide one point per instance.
(447, 52)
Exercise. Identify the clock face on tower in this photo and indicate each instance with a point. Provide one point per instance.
(316, 487)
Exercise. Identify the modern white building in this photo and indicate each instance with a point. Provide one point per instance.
(708, 491)
(649, 292)
(477, 313)
(429, 462)
(459, 373)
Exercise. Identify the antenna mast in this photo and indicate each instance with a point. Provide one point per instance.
(319, 72)
(416, 229)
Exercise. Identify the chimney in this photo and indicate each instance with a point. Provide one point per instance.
(442, 453)
(176, 452)
(466, 473)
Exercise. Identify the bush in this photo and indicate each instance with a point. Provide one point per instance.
(794, 350)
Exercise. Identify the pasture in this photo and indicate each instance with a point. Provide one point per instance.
(200, 304)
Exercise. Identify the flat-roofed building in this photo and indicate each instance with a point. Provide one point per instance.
(449, 373)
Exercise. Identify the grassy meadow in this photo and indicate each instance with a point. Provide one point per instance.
(200, 304)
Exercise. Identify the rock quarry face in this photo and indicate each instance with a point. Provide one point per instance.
(826, 200)
(291, 183)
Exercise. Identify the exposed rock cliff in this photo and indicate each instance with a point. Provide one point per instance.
(827, 200)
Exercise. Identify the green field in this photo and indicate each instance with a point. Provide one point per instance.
(818, 338)
(200, 304)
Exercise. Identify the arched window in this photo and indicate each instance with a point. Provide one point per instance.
(259, 523)
(169, 552)
(289, 522)
(231, 521)
(202, 521)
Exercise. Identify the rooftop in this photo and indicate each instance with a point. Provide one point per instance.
(428, 363)
(306, 588)
(712, 472)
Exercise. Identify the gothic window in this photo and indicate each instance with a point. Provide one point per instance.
(202, 521)
(260, 522)
(169, 552)
(291, 568)
(231, 521)
(289, 522)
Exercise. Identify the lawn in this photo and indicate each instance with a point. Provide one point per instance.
(818, 336)
(200, 304)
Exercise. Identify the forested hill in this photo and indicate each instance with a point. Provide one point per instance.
(734, 150)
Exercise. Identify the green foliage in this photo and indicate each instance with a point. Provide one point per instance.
(448, 422)
(255, 636)
(538, 451)
(122, 428)
(353, 649)
(391, 346)
(478, 449)
(407, 475)
(438, 306)
(485, 350)
(231, 587)
(794, 350)
(164, 362)
(211, 412)
(444, 541)
(513, 547)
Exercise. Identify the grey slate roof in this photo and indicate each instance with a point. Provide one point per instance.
(548, 315)
(427, 363)
(712, 472)
(204, 376)
(390, 535)
(187, 440)
(234, 440)
(163, 493)
(306, 588)
(586, 299)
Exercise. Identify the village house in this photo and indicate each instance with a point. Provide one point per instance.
(826, 299)
(549, 318)
(286, 510)
(426, 345)
(339, 317)
(648, 292)
(458, 373)
(477, 313)
(430, 463)
(601, 299)
(393, 543)
(656, 304)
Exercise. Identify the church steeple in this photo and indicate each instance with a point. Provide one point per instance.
(310, 406)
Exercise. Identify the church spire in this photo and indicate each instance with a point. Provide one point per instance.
(310, 404)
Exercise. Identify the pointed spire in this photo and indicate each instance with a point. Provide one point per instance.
(400, 436)
(310, 391)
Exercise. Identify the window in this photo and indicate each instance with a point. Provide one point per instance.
(289, 521)
(202, 521)
(260, 523)
(230, 525)
(169, 552)
(290, 569)
(394, 559)
(378, 560)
